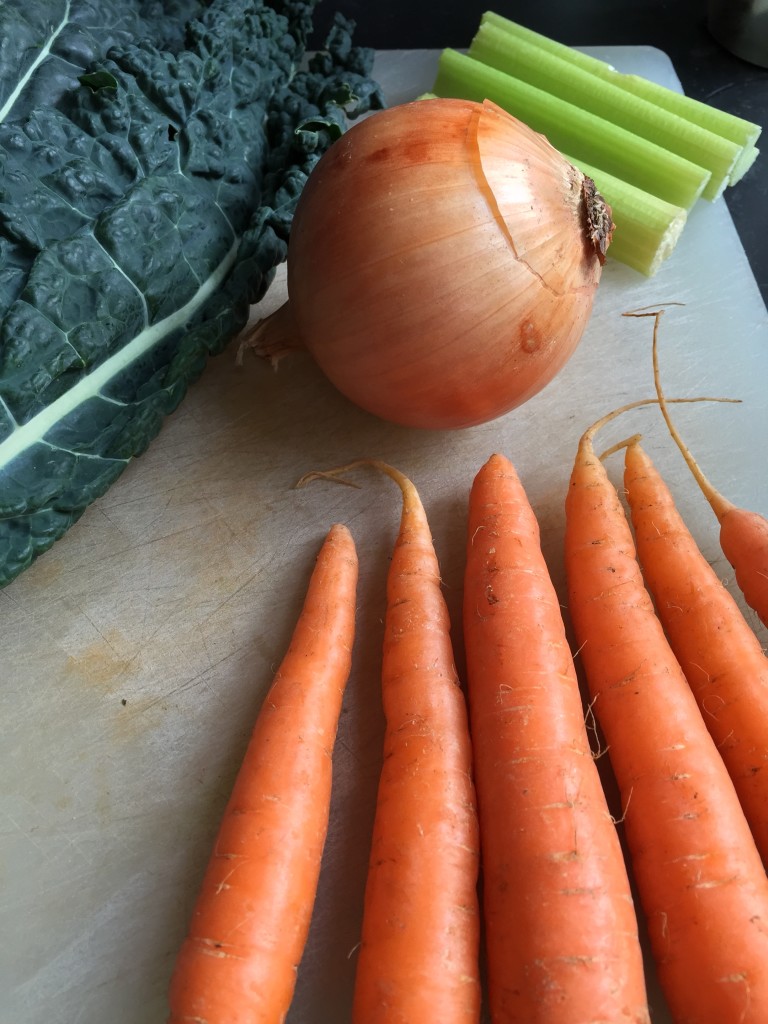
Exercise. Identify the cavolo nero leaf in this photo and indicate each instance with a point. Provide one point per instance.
(46, 44)
(142, 218)
(45, 48)
(166, 20)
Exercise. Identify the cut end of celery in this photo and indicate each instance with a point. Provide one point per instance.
(744, 163)
(667, 243)
(647, 228)
(651, 151)
(595, 87)
(647, 258)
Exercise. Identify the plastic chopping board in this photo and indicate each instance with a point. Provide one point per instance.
(135, 654)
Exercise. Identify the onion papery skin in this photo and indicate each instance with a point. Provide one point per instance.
(441, 269)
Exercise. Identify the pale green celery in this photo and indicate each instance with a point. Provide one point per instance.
(736, 129)
(563, 78)
(745, 161)
(568, 128)
(744, 133)
(647, 229)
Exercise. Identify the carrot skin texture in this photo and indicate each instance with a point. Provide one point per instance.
(744, 540)
(560, 927)
(715, 645)
(249, 925)
(419, 954)
(699, 875)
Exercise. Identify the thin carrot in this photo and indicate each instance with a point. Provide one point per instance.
(699, 875)
(715, 645)
(418, 959)
(249, 925)
(743, 533)
(560, 927)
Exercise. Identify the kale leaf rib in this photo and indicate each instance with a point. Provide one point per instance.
(38, 56)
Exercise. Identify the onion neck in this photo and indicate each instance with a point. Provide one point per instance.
(272, 337)
(598, 220)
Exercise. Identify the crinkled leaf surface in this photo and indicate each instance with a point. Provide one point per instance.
(45, 44)
(139, 218)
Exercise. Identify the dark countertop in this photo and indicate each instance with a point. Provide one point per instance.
(678, 27)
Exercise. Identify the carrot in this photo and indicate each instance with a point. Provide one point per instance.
(418, 959)
(699, 875)
(715, 645)
(560, 927)
(249, 925)
(743, 534)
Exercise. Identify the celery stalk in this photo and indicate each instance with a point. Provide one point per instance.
(647, 228)
(736, 129)
(745, 161)
(546, 70)
(610, 147)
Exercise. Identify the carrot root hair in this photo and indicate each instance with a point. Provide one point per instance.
(586, 442)
(720, 504)
(743, 534)
(335, 473)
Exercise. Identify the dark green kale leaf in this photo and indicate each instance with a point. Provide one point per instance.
(144, 215)
(166, 20)
(45, 47)
(46, 44)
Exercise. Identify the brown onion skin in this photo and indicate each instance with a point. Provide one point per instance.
(414, 280)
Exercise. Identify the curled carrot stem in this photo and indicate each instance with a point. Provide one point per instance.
(743, 533)
(589, 434)
(720, 504)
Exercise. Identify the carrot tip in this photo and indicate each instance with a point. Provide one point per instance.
(626, 443)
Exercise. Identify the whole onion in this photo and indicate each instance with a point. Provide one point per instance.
(442, 264)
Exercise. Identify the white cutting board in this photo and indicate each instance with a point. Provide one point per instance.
(135, 654)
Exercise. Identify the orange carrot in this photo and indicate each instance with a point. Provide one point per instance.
(699, 875)
(715, 645)
(418, 958)
(560, 926)
(743, 534)
(249, 925)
